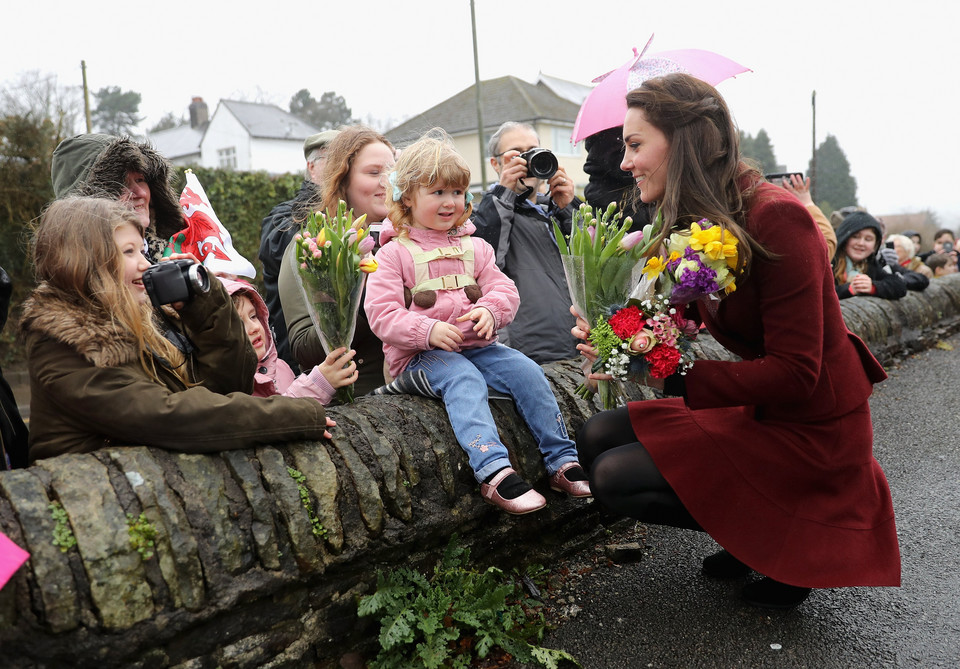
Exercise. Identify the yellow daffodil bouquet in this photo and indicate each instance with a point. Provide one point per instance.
(333, 260)
(700, 262)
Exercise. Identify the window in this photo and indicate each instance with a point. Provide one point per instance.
(560, 140)
(228, 157)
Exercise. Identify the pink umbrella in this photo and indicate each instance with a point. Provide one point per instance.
(606, 104)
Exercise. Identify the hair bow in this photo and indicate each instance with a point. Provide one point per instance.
(396, 190)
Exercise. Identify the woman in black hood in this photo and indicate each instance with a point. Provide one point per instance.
(121, 169)
(856, 270)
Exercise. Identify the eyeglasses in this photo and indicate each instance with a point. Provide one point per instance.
(514, 148)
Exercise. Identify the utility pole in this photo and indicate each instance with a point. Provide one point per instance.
(476, 78)
(86, 96)
(813, 153)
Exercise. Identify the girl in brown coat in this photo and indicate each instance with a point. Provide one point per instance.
(101, 372)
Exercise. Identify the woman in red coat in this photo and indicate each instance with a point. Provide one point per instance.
(771, 455)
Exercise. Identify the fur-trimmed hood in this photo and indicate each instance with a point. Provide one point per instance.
(94, 335)
(95, 164)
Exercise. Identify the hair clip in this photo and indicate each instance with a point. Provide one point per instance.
(396, 191)
(469, 197)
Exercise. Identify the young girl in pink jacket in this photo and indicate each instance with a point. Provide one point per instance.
(437, 300)
(274, 376)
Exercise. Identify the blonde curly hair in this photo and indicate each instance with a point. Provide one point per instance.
(429, 160)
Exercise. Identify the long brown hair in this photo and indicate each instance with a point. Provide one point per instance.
(705, 174)
(341, 153)
(76, 258)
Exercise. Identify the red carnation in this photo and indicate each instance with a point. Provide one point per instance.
(663, 360)
(627, 322)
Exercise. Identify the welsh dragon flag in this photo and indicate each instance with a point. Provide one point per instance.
(205, 236)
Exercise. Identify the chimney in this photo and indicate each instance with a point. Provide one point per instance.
(199, 114)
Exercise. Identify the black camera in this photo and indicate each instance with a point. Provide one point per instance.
(541, 163)
(175, 281)
(947, 247)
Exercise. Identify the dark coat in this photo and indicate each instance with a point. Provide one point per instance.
(89, 390)
(527, 252)
(13, 431)
(772, 455)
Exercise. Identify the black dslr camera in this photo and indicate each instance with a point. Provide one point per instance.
(175, 281)
(541, 163)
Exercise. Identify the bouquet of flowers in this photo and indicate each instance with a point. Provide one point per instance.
(333, 260)
(602, 265)
(637, 326)
(700, 263)
(644, 337)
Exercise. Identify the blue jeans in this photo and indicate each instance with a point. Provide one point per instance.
(462, 379)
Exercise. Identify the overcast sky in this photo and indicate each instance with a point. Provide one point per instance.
(885, 77)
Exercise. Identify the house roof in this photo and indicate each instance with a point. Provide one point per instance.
(503, 99)
(267, 121)
(570, 90)
(177, 142)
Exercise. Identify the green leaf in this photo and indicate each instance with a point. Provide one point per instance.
(561, 240)
(397, 630)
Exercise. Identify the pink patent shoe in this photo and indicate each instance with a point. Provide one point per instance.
(528, 502)
(561, 483)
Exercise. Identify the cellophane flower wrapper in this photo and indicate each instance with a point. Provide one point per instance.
(333, 261)
(602, 264)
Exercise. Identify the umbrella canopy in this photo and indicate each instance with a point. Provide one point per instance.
(606, 104)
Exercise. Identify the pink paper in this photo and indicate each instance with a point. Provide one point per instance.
(11, 557)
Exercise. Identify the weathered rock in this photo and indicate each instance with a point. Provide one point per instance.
(117, 581)
(176, 547)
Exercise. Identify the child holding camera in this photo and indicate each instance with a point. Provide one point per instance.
(101, 371)
(274, 376)
(436, 300)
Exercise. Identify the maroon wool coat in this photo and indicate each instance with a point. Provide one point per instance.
(773, 455)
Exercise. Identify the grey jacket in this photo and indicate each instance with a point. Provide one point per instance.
(527, 252)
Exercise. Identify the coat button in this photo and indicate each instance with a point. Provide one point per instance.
(262, 370)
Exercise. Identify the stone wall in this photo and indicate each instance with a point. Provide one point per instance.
(244, 576)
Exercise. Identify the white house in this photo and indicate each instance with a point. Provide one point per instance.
(244, 136)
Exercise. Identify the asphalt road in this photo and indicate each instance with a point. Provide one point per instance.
(661, 612)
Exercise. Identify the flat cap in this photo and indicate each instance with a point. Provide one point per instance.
(316, 141)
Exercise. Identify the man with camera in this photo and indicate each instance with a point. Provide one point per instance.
(515, 217)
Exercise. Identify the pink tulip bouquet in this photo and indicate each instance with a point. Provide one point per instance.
(333, 255)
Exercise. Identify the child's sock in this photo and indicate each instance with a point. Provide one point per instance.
(511, 487)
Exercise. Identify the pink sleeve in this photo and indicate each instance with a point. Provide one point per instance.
(386, 311)
(311, 384)
(500, 295)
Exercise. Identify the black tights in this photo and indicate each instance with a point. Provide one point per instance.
(623, 476)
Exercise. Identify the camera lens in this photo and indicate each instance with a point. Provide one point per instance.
(541, 163)
(198, 279)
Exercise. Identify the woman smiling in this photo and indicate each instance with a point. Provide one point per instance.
(855, 265)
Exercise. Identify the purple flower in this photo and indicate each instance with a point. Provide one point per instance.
(693, 284)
